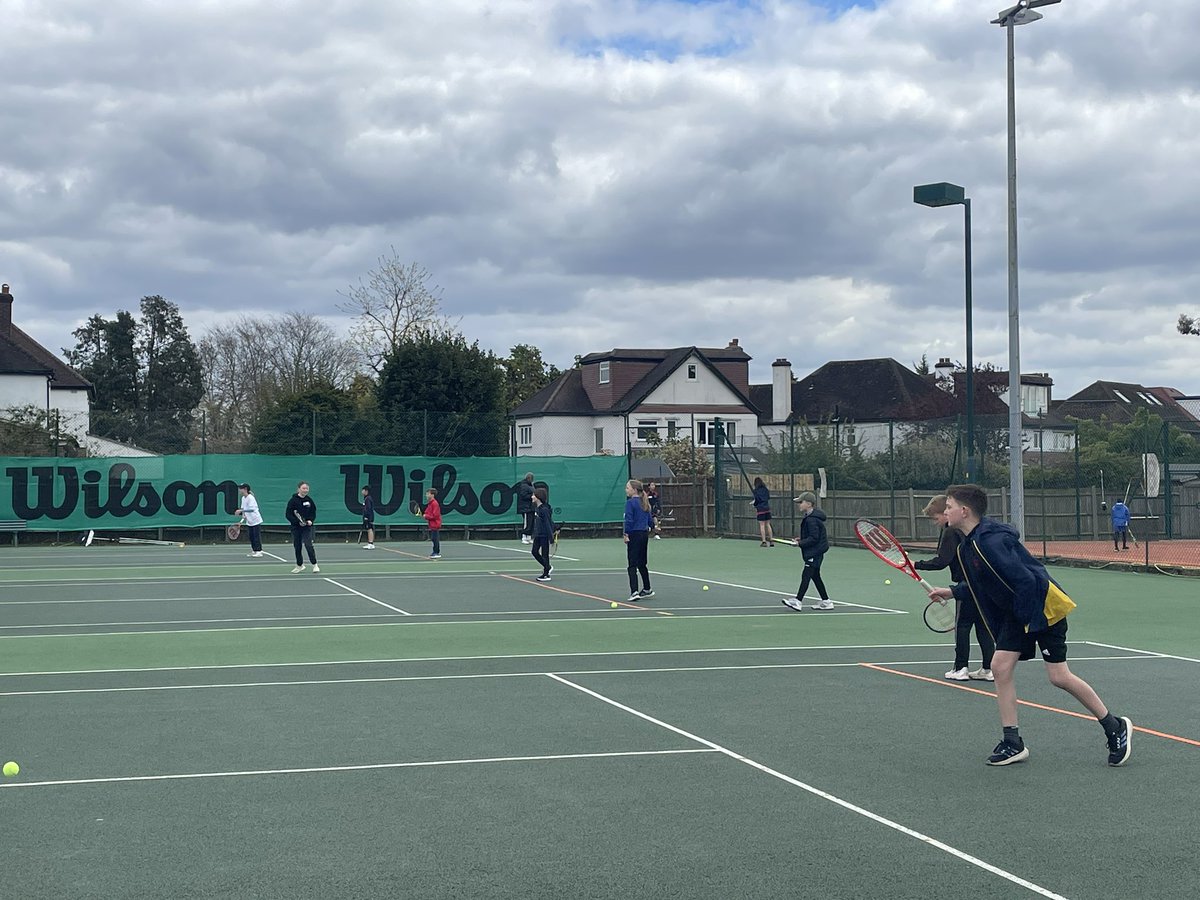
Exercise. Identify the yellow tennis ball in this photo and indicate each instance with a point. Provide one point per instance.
(11, 769)
(613, 605)
(887, 581)
(705, 588)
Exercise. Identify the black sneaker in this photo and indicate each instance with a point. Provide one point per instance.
(542, 578)
(646, 592)
(1120, 744)
(1007, 753)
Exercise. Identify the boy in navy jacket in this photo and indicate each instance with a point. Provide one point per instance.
(1023, 608)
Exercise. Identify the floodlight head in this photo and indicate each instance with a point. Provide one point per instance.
(941, 194)
(1023, 13)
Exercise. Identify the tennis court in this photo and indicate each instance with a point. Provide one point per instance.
(193, 723)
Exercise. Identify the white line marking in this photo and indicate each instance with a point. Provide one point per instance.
(372, 599)
(515, 550)
(1147, 652)
(167, 599)
(392, 679)
(748, 587)
(817, 792)
(273, 556)
(360, 768)
(420, 659)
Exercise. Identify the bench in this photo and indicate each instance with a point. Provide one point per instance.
(13, 525)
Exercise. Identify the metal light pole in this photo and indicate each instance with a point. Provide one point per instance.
(1021, 14)
(946, 194)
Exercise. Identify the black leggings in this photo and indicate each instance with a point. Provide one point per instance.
(255, 537)
(968, 618)
(302, 537)
(541, 552)
(635, 554)
(812, 573)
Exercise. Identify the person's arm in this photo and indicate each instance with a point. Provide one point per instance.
(1006, 562)
(313, 518)
(628, 524)
(941, 560)
(808, 534)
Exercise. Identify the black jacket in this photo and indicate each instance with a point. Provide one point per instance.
(301, 508)
(525, 497)
(947, 554)
(813, 539)
(543, 522)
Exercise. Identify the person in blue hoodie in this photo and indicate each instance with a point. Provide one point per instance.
(814, 544)
(762, 512)
(1120, 523)
(636, 534)
(1023, 609)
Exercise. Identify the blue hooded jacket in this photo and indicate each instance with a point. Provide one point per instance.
(1003, 578)
(1120, 515)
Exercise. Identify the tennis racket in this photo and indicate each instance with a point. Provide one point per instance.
(554, 542)
(883, 544)
(941, 615)
(234, 531)
(415, 508)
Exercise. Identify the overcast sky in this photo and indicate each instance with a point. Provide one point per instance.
(589, 174)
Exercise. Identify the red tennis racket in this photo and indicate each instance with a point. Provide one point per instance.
(940, 615)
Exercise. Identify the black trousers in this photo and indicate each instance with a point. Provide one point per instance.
(812, 574)
(302, 537)
(255, 537)
(968, 618)
(527, 523)
(541, 552)
(635, 555)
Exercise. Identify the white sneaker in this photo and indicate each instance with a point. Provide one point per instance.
(792, 603)
(958, 674)
(297, 569)
(257, 554)
(435, 556)
(980, 675)
(368, 546)
(824, 604)
(316, 568)
(658, 537)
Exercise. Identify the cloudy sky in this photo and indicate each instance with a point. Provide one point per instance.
(589, 174)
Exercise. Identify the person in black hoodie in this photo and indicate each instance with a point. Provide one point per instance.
(525, 507)
(814, 544)
(301, 515)
(967, 616)
(543, 532)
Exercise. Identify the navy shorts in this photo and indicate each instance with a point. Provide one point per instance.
(764, 515)
(1053, 641)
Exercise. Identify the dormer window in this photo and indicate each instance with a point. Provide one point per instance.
(691, 372)
(603, 372)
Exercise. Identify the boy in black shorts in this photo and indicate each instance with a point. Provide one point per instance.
(1023, 608)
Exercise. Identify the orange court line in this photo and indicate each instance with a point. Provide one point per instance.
(551, 587)
(1030, 703)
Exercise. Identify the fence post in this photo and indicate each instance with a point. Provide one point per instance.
(1078, 511)
(1168, 501)
(314, 432)
(892, 472)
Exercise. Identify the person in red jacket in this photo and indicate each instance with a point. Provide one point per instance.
(433, 518)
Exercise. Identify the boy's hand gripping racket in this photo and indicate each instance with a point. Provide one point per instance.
(940, 615)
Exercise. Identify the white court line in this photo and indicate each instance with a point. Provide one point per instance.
(559, 619)
(273, 556)
(287, 576)
(515, 550)
(166, 599)
(748, 587)
(365, 597)
(817, 792)
(489, 657)
(484, 676)
(1147, 652)
(191, 776)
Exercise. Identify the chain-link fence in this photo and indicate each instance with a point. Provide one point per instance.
(1074, 477)
(284, 432)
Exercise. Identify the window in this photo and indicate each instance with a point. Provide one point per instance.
(706, 433)
(1121, 396)
(672, 429)
(731, 432)
(604, 372)
(646, 428)
(525, 436)
(599, 433)
(691, 372)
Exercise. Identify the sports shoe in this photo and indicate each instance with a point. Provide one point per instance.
(824, 604)
(959, 674)
(1007, 753)
(646, 592)
(980, 674)
(316, 568)
(435, 556)
(635, 597)
(770, 543)
(255, 555)
(542, 578)
(658, 537)
(297, 569)
(368, 546)
(792, 603)
(1120, 745)
(762, 543)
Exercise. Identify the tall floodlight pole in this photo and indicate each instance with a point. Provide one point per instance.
(945, 194)
(1021, 14)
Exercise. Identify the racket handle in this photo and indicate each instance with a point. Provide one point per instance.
(925, 584)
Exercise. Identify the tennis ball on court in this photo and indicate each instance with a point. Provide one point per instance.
(613, 605)
(11, 769)
(887, 581)
(705, 588)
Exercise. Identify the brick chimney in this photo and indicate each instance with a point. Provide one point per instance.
(781, 390)
(6, 302)
(733, 343)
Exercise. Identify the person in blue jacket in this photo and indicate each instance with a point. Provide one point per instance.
(636, 534)
(1023, 609)
(1120, 523)
(762, 512)
(814, 544)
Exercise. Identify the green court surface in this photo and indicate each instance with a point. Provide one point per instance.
(193, 723)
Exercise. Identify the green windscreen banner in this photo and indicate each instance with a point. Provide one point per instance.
(187, 491)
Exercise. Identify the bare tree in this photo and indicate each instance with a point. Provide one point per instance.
(394, 304)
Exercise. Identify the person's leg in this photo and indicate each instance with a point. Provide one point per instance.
(986, 645)
(642, 557)
(762, 532)
(1116, 539)
(255, 538)
(371, 534)
(805, 580)
(1062, 677)
(962, 640)
(543, 557)
(631, 565)
(1004, 665)
(1125, 538)
(308, 544)
(298, 544)
(436, 536)
(816, 578)
(770, 534)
